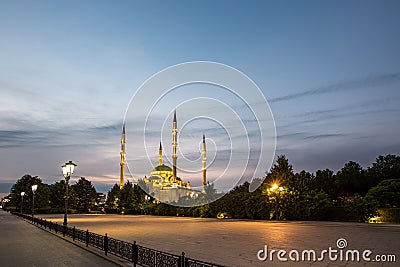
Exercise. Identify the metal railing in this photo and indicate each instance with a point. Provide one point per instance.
(138, 255)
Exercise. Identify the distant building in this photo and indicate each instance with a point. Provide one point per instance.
(163, 182)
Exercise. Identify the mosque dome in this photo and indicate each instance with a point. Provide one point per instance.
(163, 168)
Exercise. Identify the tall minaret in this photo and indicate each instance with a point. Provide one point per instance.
(203, 163)
(174, 146)
(160, 161)
(122, 162)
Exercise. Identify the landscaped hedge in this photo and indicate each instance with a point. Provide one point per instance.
(390, 215)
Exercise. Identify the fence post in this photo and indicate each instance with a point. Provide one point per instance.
(87, 238)
(182, 260)
(73, 234)
(135, 255)
(105, 244)
(56, 227)
(64, 230)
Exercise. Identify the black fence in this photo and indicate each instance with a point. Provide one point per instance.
(133, 252)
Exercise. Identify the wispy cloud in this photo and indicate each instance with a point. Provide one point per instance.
(373, 81)
(324, 136)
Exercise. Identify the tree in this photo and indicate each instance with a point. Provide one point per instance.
(293, 196)
(325, 180)
(24, 184)
(57, 194)
(113, 197)
(86, 195)
(361, 208)
(384, 168)
(386, 193)
(351, 179)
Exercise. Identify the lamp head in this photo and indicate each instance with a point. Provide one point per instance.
(68, 169)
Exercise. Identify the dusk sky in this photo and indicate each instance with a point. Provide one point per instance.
(330, 71)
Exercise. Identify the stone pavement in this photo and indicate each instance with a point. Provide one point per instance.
(235, 243)
(23, 244)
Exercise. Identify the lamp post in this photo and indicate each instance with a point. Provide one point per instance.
(67, 170)
(276, 189)
(22, 199)
(34, 188)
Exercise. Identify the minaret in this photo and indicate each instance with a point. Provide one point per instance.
(174, 146)
(203, 163)
(160, 161)
(122, 162)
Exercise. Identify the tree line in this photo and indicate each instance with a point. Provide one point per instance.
(82, 196)
(351, 194)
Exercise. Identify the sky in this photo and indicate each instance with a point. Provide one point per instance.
(329, 71)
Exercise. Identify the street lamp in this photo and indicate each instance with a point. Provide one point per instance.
(34, 188)
(67, 170)
(276, 189)
(22, 200)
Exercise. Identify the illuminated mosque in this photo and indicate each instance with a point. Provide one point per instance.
(163, 182)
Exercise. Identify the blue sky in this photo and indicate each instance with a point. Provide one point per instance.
(330, 71)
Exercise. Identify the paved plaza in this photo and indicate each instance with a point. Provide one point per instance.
(22, 244)
(237, 242)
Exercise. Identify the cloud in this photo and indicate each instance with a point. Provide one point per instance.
(324, 136)
(373, 81)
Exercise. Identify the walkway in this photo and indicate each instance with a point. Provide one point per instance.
(23, 244)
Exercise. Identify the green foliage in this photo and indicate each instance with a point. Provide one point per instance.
(295, 199)
(390, 215)
(130, 200)
(112, 202)
(24, 184)
(85, 195)
(361, 208)
(324, 180)
(386, 193)
(384, 168)
(299, 196)
(57, 194)
(351, 179)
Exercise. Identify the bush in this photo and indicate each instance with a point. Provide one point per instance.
(390, 215)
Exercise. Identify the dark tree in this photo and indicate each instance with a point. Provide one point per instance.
(386, 193)
(57, 194)
(24, 184)
(86, 195)
(351, 179)
(325, 180)
(113, 197)
(384, 168)
(360, 209)
(292, 196)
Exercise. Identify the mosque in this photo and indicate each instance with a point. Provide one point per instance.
(163, 182)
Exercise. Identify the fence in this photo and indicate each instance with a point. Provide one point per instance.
(138, 255)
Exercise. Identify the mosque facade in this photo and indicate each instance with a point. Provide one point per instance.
(163, 183)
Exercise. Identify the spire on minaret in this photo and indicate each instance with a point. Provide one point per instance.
(122, 162)
(174, 146)
(160, 159)
(203, 163)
